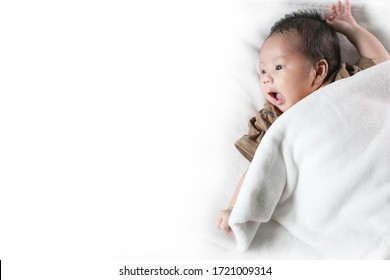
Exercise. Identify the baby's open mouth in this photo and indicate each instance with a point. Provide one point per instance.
(277, 97)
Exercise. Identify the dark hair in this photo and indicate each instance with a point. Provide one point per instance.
(318, 39)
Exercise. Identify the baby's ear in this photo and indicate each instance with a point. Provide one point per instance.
(321, 68)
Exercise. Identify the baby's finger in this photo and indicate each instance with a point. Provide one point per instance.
(332, 10)
(330, 18)
(226, 228)
(347, 6)
(339, 9)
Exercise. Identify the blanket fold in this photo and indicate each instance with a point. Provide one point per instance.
(322, 171)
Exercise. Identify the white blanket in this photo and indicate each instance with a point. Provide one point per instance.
(323, 171)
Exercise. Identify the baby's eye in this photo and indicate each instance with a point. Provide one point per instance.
(262, 72)
(279, 67)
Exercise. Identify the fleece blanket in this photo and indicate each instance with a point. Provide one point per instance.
(323, 171)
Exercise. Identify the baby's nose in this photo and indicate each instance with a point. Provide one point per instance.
(267, 79)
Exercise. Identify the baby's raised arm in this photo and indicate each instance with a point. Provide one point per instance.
(340, 17)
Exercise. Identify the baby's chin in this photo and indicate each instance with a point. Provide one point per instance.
(283, 107)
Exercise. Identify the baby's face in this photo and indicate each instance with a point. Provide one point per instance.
(285, 76)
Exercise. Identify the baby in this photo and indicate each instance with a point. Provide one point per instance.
(300, 55)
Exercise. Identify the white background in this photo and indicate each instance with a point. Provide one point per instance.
(104, 125)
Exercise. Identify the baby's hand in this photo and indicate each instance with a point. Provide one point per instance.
(224, 221)
(340, 17)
